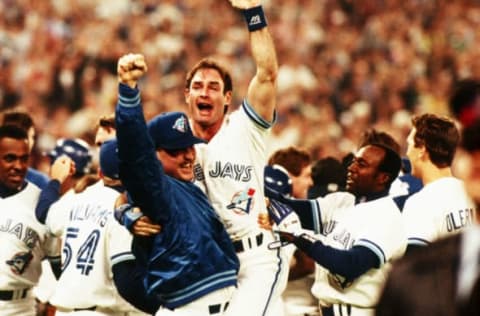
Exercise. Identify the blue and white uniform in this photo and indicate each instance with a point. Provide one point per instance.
(375, 225)
(25, 243)
(93, 241)
(441, 208)
(230, 169)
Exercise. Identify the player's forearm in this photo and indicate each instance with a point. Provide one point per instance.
(349, 264)
(139, 166)
(49, 195)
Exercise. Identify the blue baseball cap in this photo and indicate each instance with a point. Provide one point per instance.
(171, 130)
(109, 162)
(275, 177)
(76, 149)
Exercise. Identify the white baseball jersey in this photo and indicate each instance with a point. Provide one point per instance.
(441, 208)
(230, 171)
(376, 225)
(24, 243)
(93, 242)
(232, 166)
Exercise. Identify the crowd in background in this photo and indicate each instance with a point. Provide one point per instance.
(344, 65)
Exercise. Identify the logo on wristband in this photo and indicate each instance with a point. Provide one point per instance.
(256, 19)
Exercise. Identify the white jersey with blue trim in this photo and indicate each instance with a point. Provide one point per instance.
(25, 241)
(93, 242)
(376, 225)
(231, 166)
(441, 208)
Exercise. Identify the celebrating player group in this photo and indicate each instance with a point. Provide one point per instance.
(184, 217)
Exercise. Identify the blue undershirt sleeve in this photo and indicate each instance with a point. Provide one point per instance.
(350, 264)
(49, 195)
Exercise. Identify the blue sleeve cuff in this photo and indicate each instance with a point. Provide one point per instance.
(128, 97)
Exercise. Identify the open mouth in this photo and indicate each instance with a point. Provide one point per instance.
(204, 106)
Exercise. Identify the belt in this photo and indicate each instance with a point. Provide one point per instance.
(344, 310)
(13, 294)
(248, 243)
(217, 308)
(93, 308)
(70, 310)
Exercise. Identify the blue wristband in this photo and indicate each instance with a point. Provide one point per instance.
(255, 18)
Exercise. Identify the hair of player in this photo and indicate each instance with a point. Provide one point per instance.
(210, 63)
(18, 118)
(13, 131)
(292, 158)
(439, 135)
(107, 121)
(372, 136)
(392, 162)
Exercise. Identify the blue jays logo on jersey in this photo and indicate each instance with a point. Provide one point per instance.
(242, 202)
(20, 262)
(180, 124)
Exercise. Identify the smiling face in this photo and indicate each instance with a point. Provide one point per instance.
(363, 174)
(206, 99)
(14, 157)
(178, 163)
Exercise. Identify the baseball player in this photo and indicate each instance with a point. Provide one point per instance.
(362, 233)
(25, 121)
(93, 241)
(25, 241)
(230, 166)
(443, 206)
(191, 266)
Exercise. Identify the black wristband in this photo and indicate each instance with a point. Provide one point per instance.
(255, 18)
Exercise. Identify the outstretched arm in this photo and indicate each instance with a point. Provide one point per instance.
(261, 92)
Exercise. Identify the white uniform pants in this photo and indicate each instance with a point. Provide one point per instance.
(213, 303)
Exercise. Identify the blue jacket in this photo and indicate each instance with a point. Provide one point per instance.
(193, 255)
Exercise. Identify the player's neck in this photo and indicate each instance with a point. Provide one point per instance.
(434, 173)
(206, 132)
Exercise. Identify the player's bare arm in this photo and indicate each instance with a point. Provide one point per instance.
(261, 92)
(130, 68)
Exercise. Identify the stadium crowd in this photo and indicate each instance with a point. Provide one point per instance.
(344, 65)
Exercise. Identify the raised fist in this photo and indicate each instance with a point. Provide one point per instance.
(244, 4)
(130, 68)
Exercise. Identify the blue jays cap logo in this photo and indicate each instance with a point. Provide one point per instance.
(181, 124)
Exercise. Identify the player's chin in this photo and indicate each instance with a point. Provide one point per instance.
(186, 174)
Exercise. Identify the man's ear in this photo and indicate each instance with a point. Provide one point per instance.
(383, 178)
(423, 154)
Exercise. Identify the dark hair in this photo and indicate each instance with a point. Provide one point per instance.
(291, 158)
(13, 131)
(439, 135)
(107, 121)
(391, 163)
(18, 118)
(210, 63)
(328, 175)
(465, 92)
(373, 137)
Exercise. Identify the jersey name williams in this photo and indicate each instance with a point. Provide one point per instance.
(233, 171)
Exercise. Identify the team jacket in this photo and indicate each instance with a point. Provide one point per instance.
(193, 255)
